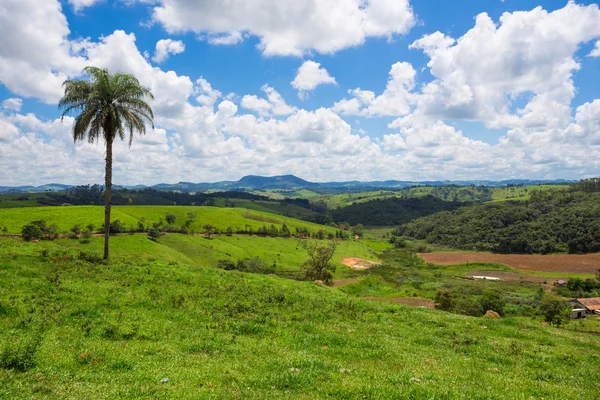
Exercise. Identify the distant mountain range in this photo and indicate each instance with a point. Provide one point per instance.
(288, 182)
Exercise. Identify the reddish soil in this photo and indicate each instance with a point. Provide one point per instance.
(409, 301)
(358, 263)
(570, 263)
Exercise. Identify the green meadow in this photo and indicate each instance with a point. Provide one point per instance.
(156, 323)
(222, 218)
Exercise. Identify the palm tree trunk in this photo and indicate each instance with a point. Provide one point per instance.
(107, 195)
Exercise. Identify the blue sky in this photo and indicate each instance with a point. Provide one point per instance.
(324, 89)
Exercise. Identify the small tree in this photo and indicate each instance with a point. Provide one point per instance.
(319, 266)
(170, 218)
(90, 227)
(555, 311)
(285, 231)
(154, 234)
(76, 230)
(31, 231)
(86, 235)
(210, 229)
(445, 300)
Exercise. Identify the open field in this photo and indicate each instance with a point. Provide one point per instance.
(67, 216)
(73, 329)
(556, 263)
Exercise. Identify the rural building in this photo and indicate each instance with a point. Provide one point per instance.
(486, 278)
(591, 305)
(560, 282)
(578, 313)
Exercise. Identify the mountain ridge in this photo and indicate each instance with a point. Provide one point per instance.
(288, 182)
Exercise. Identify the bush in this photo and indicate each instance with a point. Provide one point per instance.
(170, 218)
(470, 306)
(154, 234)
(445, 300)
(20, 356)
(31, 231)
(492, 300)
(86, 235)
(555, 311)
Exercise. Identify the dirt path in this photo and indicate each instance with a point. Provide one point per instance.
(568, 263)
(358, 263)
(409, 301)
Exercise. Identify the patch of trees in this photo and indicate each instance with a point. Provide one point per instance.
(392, 211)
(551, 221)
(94, 194)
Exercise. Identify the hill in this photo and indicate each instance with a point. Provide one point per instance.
(552, 221)
(162, 326)
(130, 216)
(391, 211)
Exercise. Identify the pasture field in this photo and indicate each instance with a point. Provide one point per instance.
(67, 216)
(551, 263)
(285, 254)
(162, 326)
(521, 192)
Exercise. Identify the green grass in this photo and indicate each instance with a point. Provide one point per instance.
(105, 332)
(67, 216)
(521, 192)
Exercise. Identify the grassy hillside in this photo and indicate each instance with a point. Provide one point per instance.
(548, 222)
(67, 216)
(70, 329)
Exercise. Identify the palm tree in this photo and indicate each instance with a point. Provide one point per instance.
(108, 106)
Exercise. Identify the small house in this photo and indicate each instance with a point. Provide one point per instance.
(560, 283)
(591, 305)
(578, 313)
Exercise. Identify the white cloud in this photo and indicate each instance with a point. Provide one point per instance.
(207, 95)
(394, 142)
(79, 5)
(226, 39)
(531, 54)
(394, 101)
(13, 104)
(274, 104)
(288, 27)
(596, 51)
(166, 47)
(309, 76)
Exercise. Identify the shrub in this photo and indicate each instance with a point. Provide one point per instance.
(492, 300)
(470, 306)
(86, 235)
(20, 356)
(170, 218)
(445, 300)
(31, 231)
(555, 311)
(76, 230)
(154, 234)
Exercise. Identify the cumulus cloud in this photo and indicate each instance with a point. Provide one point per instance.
(273, 105)
(309, 76)
(528, 53)
(166, 47)
(13, 104)
(596, 51)
(79, 5)
(395, 100)
(288, 27)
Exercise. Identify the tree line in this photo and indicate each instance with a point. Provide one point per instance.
(549, 222)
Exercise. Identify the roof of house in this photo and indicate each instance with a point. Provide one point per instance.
(591, 304)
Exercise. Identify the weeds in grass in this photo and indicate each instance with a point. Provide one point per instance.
(20, 356)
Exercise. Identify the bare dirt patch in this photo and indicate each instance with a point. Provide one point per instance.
(569, 263)
(409, 301)
(358, 263)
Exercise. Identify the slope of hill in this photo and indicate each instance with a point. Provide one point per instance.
(167, 328)
(392, 211)
(222, 218)
(548, 222)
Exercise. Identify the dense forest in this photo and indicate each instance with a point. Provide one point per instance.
(94, 194)
(552, 221)
(394, 211)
